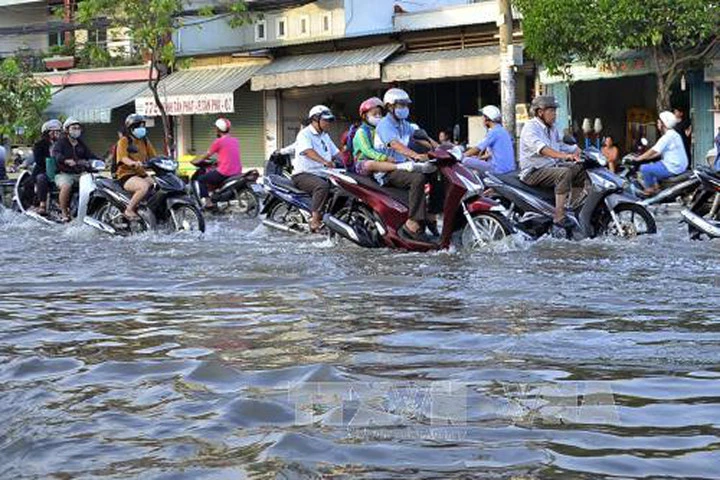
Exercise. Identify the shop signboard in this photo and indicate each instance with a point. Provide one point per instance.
(176, 105)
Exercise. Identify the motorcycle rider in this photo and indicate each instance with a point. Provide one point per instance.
(545, 161)
(314, 152)
(496, 151)
(71, 155)
(368, 159)
(50, 133)
(229, 164)
(671, 151)
(133, 150)
(393, 136)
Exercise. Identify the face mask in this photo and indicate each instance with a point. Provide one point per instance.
(75, 133)
(139, 132)
(402, 113)
(374, 121)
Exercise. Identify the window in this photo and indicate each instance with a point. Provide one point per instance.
(327, 22)
(56, 39)
(260, 31)
(304, 26)
(98, 37)
(281, 27)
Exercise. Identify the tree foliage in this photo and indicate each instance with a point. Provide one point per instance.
(22, 101)
(676, 34)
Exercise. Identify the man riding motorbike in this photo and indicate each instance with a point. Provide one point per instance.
(545, 161)
(71, 155)
(229, 164)
(50, 133)
(133, 150)
(495, 153)
(671, 151)
(314, 152)
(393, 136)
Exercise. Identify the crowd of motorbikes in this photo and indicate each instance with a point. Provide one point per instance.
(479, 209)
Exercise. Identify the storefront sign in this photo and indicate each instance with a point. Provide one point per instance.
(621, 67)
(187, 104)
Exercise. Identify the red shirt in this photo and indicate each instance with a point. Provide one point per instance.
(227, 149)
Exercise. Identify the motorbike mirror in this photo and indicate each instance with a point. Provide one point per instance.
(421, 134)
(569, 140)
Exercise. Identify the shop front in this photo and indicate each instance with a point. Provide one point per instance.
(197, 97)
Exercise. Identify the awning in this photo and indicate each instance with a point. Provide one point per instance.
(197, 91)
(323, 68)
(468, 62)
(93, 103)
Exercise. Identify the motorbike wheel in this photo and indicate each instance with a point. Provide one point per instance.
(635, 220)
(289, 216)
(491, 227)
(363, 222)
(701, 206)
(110, 214)
(246, 201)
(187, 218)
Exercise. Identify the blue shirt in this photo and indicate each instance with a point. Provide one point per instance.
(390, 129)
(502, 153)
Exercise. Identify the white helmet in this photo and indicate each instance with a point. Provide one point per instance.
(396, 95)
(52, 124)
(492, 113)
(70, 122)
(321, 111)
(223, 124)
(668, 119)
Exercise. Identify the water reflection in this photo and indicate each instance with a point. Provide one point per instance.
(186, 357)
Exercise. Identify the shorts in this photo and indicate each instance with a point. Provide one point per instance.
(66, 179)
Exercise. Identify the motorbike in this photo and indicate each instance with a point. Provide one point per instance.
(235, 195)
(605, 210)
(102, 202)
(677, 188)
(376, 213)
(24, 196)
(286, 207)
(703, 216)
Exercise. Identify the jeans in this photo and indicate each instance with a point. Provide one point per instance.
(213, 177)
(653, 172)
(475, 163)
(42, 186)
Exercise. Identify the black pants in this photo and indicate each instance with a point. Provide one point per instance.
(318, 187)
(42, 186)
(415, 182)
(213, 177)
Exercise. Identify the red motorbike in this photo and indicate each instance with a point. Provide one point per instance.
(370, 215)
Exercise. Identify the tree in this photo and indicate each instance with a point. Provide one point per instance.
(677, 35)
(22, 101)
(150, 25)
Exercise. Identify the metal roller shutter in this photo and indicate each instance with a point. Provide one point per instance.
(248, 127)
(100, 136)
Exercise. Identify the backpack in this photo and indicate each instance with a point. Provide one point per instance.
(349, 159)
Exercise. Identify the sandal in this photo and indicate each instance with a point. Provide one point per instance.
(133, 217)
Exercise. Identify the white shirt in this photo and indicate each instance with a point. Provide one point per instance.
(309, 138)
(672, 149)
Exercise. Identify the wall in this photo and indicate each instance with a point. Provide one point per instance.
(369, 16)
(202, 35)
(25, 14)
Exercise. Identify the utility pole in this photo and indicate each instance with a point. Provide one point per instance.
(507, 72)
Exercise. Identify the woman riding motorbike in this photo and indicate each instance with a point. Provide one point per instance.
(50, 133)
(133, 150)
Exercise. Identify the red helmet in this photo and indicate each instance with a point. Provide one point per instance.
(223, 124)
(369, 104)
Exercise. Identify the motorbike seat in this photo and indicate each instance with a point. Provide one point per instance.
(286, 184)
(113, 185)
(669, 182)
(513, 180)
(399, 194)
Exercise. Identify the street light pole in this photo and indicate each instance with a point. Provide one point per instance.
(507, 74)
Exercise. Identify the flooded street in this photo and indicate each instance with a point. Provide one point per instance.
(251, 353)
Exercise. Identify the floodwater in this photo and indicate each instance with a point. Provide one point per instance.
(249, 353)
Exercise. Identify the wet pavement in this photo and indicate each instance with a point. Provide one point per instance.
(251, 353)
